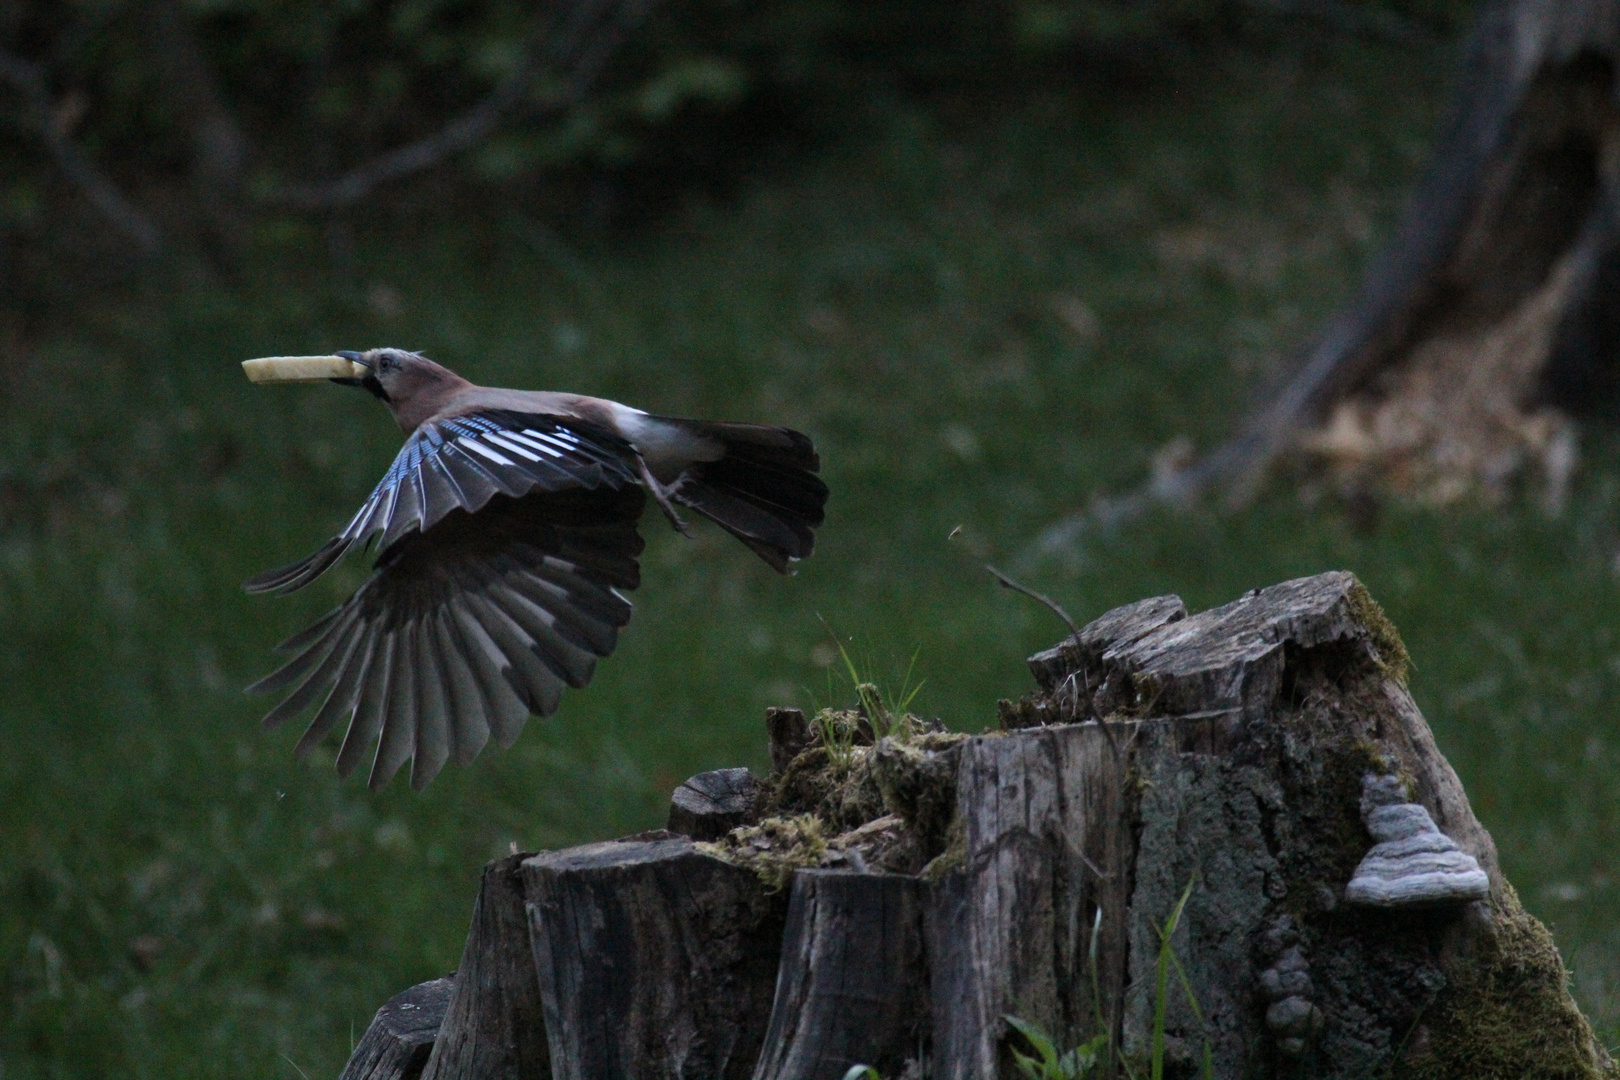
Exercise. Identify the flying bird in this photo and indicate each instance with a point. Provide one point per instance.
(505, 533)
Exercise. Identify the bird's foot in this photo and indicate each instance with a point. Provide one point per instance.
(663, 495)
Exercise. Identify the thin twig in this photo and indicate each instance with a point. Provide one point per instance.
(1052, 605)
(1074, 635)
(588, 53)
(1093, 866)
(30, 80)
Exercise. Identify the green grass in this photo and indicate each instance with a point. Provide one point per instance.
(179, 898)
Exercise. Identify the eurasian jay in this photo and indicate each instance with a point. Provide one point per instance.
(506, 535)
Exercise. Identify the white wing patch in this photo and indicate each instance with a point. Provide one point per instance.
(474, 445)
(511, 445)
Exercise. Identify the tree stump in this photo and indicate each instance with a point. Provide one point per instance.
(711, 804)
(397, 1044)
(852, 988)
(654, 960)
(1248, 735)
(789, 735)
(1048, 835)
(494, 1025)
(1223, 837)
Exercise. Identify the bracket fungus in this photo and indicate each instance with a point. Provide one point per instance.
(1412, 861)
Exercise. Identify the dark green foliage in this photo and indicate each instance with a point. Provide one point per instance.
(1049, 1063)
(204, 111)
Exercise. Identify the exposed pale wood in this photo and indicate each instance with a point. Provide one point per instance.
(397, 1044)
(654, 960)
(1047, 844)
(1492, 219)
(852, 988)
(494, 1026)
(711, 804)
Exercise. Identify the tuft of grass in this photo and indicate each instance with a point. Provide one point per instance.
(1048, 1063)
(1077, 1063)
(1168, 960)
(837, 731)
(883, 720)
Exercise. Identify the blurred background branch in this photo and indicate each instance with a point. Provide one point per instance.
(1484, 326)
(577, 50)
(182, 123)
(52, 124)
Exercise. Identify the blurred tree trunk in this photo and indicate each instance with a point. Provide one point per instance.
(1493, 312)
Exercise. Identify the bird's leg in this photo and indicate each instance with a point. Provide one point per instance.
(662, 495)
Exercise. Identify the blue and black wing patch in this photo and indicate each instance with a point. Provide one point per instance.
(460, 464)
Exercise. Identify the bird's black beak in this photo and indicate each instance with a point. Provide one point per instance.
(367, 382)
(355, 358)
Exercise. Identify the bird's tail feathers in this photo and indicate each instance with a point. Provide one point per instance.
(763, 490)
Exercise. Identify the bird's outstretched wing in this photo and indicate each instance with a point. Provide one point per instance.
(460, 464)
(468, 626)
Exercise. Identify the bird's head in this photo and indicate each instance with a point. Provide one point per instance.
(409, 383)
(412, 386)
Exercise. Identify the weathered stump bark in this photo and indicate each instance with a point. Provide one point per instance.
(397, 1044)
(1057, 669)
(654, 960)
(788, 733)
(711, 804)
(494, 1025)
(1048, 831)
(853, 987)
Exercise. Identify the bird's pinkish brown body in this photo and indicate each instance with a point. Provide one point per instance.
(506, 528)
